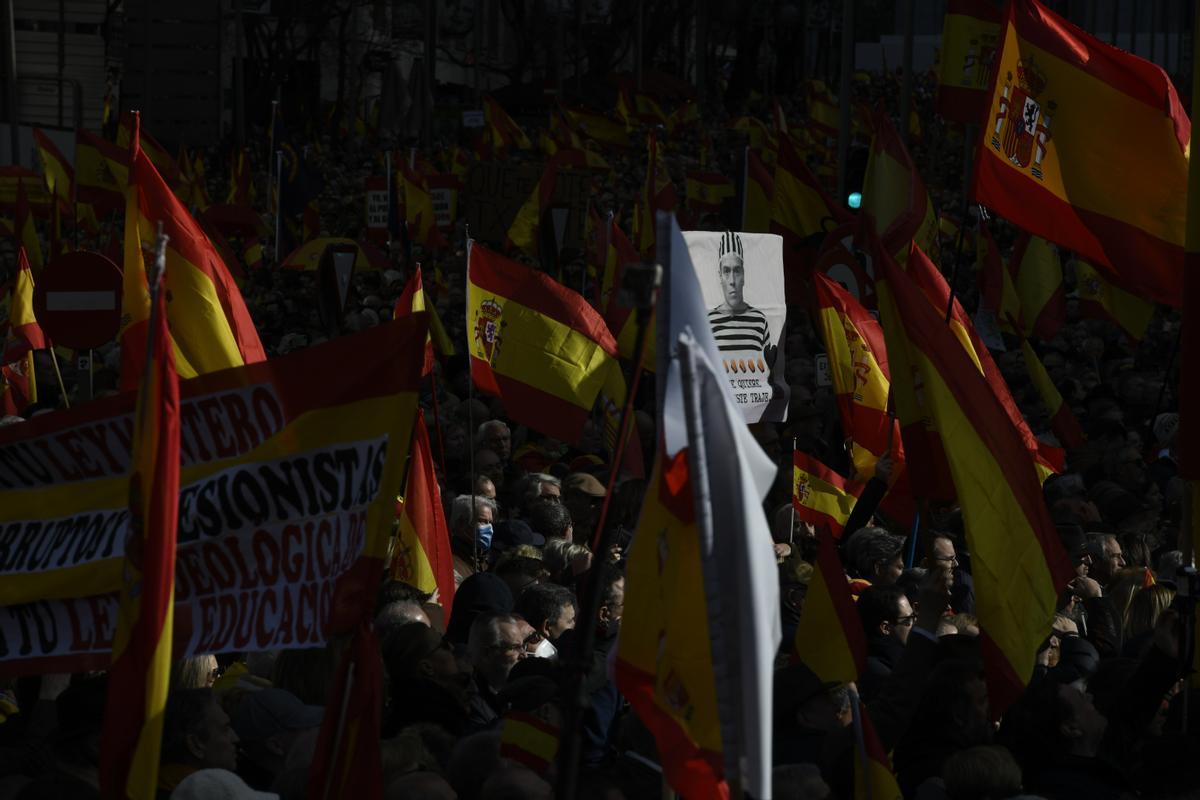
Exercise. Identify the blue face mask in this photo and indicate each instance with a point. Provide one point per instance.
(483, 535)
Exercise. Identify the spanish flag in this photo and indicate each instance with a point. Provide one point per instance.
(503, 133)
(831, 642)
(418, 208)
(210, 326)
(822, 109)
(241, 185)
(422, 556)
(23, 336)
(141, 667)
(658, 194)
(685, 115)
(613, 397)
(523, 233)
(1085, 145)
(25, 230)
(758, 190)
(60, 180)
(413, 300)
(622, 322)
(167, 168)
(1038, 279)
(894, 195)
(635, 108)
(1019, 564)
(858, 367)
(800, 208)
(924, 275)
(597, 127)
(101, 171)
(535, 344)
(821, 496)
(1100, 298)
(1027, 294)
(761, 135)
(970, 36)
(1062, 419)
(529, 740)
(706, 191)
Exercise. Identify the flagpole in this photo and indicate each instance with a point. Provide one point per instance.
(471, 417)
(792, 527)
(62, 387)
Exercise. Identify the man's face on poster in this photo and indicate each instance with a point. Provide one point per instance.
(733, 281)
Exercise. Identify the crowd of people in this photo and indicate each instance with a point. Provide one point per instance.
(1104, 717)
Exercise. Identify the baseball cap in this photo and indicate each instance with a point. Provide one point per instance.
(584, 484)
(217, 784)
(516, 532)
(264, 713)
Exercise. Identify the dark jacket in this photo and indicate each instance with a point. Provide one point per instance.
(883, 655)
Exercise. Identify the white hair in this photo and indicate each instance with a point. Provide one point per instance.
(462, 514)
(484, 427)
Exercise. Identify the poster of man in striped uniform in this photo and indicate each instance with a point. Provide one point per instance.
(747, 316)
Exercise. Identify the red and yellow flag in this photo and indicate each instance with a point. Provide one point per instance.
(858, 367)
(1100, 298)
(820, 495)
(706, 191)
(894, 194)
(800, 209)
(23, 331)
(597, 127)
(414, 300)
(523, 233)
(101, 171)
(422, 557)
(1027, 294)
(60, 180)
(23, 335)
(758, 192)
(926, 277)
(503, 133)
(535, 344)
(210, 326)
(622, 322)
(241, 187)
(669, 595)
(529, 740)
(822, 109)
(970, 35)
(831, 642)
(635, 108)
(1062, 419)
(1020, 564)
(418, 208)
(141, 668)
(158, 155)
(658, 194)
(1085, 145)
(26, 232)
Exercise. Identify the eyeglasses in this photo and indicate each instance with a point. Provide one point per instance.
(509, 647)
(948, 559)
(906, 621)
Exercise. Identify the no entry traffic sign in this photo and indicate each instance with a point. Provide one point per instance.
(77, 300)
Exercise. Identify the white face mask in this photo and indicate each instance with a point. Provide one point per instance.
(545, 650)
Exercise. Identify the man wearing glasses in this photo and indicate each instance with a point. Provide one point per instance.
(940, 554)
(887, 618)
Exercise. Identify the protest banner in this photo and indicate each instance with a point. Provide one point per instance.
(287, 495)
(741, 277)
